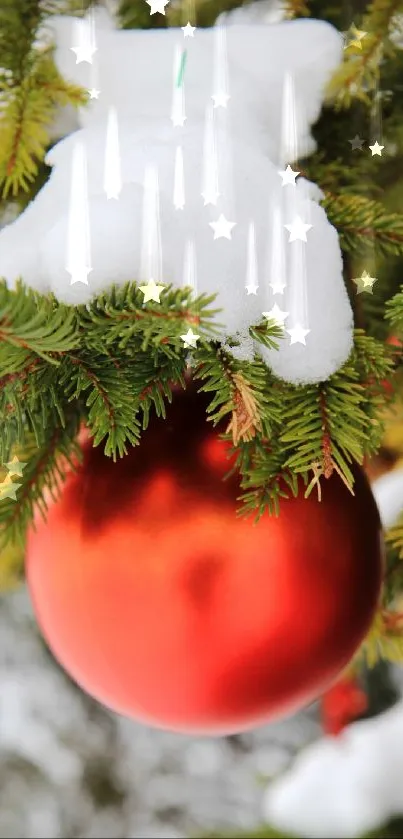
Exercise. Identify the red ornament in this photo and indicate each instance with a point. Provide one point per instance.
(165, 606)
(343, 703)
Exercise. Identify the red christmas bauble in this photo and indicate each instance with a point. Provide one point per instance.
(166, 607)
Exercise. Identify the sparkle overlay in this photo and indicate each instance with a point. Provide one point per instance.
(298, 230)
(190, 338)
(376, 149)
(188, 30)
(222, 227)
(356, 143)
(8, 488)
(365, 283)
(157, 6)
(288, 176)
(151, 291)
(277, 315)
(354, 37)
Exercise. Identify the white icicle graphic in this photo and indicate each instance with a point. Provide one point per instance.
(220, 94)
(93, 88)
(79, 245)
(112, 175)
(289, 128)
(277, 266)
(251, 269)
(179, 180)
(84, 37)
(151, 250)
(297, 297)
(190, 266)
(210, 191)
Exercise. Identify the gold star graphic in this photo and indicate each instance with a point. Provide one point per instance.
(151, 291)
(365, 283)
(15, 467)
(354, 37)
(8, 489)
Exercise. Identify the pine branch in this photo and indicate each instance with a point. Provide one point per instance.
(384, 640)
(323, 428)
(394, 538)
(120, 316)
(20, 22)
(31, 89)
(27, 111)
(108, 364)
(361, 222)
(135, 14)
(112, 406)
(394, 311)
(43, 477)
(359, 72)
(32, 325)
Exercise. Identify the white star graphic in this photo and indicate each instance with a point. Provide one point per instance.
(288, 176)
(178, 120)
(220, 100)
(113, 194)
(298, 230)
(252, 289)
(210, 197)
(277, 315)
(151, 291)
(188, 30)
(84, 53)
(298, 334)
(94, 93)
(377, 149)
(277, 286)
(190, 338)
(222, 227)
(157, 6)
(79, 275)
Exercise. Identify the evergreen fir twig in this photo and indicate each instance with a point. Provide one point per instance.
(108, 363)
(31, 89)
(359, 72)
(361, 222)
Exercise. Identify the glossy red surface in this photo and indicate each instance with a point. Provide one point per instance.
(165, 607)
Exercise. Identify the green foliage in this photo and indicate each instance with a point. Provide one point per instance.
(31, 89)
(395, 538)
(135, 14)
(42, 479)
(110, 363)
(327, 426)
(362, 222)
(359, 73)
(394, 312)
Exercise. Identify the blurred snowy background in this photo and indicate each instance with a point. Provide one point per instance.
(69, 768)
